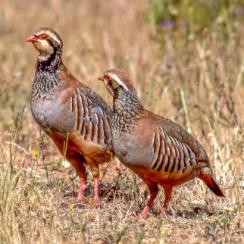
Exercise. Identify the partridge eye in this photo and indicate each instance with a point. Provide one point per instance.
(43, 36)
(106, 77)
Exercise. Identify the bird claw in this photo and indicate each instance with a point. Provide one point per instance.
(80, 197)
(145, 213)
(164, 212)
(97, 202)
(73, 202)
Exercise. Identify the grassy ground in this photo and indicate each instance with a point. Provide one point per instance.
(197, 82)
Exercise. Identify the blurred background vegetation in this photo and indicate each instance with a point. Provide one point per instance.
(195, 16)
(186, 60)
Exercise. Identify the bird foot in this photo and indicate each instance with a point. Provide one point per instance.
(75, 200)
(164, 212)
(80, 197)
(97, 202)
(145, 213)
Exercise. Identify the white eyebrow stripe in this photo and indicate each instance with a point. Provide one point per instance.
(54, 37)
(119, 81)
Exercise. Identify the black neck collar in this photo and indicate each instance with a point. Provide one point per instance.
(52, 63)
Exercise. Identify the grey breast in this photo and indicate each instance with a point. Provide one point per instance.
(51, 114)
(130, 151)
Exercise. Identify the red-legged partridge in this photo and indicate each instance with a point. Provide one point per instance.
(71, 114)
(158, 150)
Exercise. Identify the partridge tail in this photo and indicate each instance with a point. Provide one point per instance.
(207, 177)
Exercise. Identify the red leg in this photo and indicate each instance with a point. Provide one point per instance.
(95, 173)
(96, 198)
(153, 190)
(78, 163)
(82, 188)
(167, 195)
(81, 172)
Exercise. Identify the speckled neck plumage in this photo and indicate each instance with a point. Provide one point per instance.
(45, 82)
(127, 110)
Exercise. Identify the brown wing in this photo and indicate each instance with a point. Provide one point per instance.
(92, 123)
(170, 154)
(67, 80)
(90, 112)
(96, 100)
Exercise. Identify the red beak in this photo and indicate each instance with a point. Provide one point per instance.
(32, 38)
(101, 78)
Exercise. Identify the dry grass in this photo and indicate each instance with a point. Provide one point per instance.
(198, 83)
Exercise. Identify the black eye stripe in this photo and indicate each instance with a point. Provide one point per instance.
(43, 36)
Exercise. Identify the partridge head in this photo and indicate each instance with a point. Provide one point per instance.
(114, 79)
(46, 41)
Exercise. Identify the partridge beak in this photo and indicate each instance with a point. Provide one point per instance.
(32, 38)
(101, 78)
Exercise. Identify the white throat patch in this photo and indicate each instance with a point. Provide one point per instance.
(44, 47)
